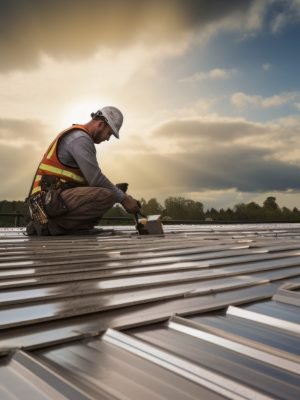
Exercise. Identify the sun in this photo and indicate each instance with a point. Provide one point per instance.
(80, 112)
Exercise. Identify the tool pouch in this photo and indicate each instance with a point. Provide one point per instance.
(54, 204)
(36, 209)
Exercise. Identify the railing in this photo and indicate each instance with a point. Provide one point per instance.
(19, 216)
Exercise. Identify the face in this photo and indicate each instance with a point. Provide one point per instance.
(102, 132)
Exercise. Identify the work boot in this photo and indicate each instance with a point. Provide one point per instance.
(30, 229)
(36, 229)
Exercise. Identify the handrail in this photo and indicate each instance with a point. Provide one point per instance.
(18, 216)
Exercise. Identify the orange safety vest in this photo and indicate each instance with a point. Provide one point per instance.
(50, 165)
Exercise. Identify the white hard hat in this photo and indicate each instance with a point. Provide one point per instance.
(112, 116)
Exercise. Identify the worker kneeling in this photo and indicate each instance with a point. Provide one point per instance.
(69, 192)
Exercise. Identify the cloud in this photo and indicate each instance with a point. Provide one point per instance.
(230, 197)
(288, 12)
(75, 29)
(16, 132)
(205, 132)
(217, 155)
(214, 168)
(278, 23)
(214, 74)
(266, 66)
(59, 87)
(23, 143)
(16, 177)
(297, 105)
(177, 156)
(241, 99)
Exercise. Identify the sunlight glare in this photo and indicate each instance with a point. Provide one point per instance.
(79, 112)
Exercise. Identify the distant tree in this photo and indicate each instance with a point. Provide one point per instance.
(253, 206)
(271, 209)
(270, 204)
(193, 209)
(152, 207)
(229, 214)
(287, 214)
(181, 208)
(240, 211)
(222, 214)
(212, 214)
(296, 214)
(254, 211)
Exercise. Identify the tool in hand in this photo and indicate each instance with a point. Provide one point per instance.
(139, 225)
(144, 225)
(150, 225)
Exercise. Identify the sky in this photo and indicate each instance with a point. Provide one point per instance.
(209, 89)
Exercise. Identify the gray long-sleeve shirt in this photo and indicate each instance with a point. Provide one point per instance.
(77, 150)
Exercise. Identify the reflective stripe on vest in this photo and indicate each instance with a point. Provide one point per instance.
(49, 155)
(61, 172)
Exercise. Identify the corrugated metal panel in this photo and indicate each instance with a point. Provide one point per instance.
(245, 330)
(22, 377)
(98, 365)
(60, 289)
(223, 370)
(63, 330)
(289, 293)
(267, 364)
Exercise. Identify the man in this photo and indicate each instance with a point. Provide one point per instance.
(69, 193)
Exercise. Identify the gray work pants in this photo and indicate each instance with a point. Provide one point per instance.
(86, 206)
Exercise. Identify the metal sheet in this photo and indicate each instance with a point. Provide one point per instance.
(114, 253)
(113, 260)
(264, 334)
(97, 365)
(76, 287)
(93, 285)
(35, 313)
(249, 348)
(275, 322)
(278, 310)
(288, 293)
(67, 329)
(23, 378)
(271, 380)
(152, 279)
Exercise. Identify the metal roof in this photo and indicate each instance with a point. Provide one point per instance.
(205, 311)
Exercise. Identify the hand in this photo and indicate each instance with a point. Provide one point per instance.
(130, 204)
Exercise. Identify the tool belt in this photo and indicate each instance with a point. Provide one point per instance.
(48, 202)
(36, 208)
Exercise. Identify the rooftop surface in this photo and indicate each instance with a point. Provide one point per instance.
(203, 312)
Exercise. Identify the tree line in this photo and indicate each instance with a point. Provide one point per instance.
(180, 208)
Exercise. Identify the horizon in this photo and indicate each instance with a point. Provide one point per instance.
(209, 91)
(205, 208)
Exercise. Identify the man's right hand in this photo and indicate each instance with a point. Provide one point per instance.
(130, 204)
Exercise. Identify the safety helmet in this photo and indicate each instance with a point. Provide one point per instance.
(112, 116)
